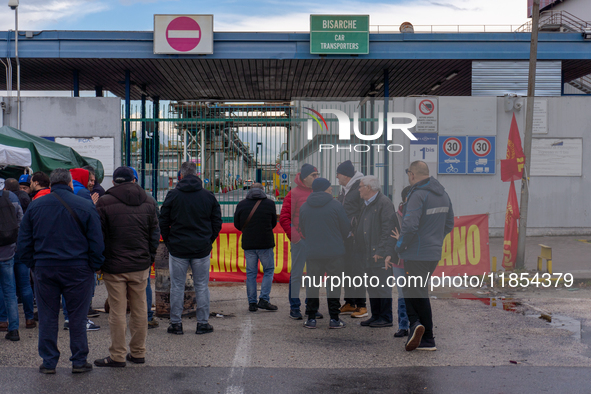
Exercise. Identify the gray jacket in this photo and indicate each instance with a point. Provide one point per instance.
(372, 236)
(427, 218)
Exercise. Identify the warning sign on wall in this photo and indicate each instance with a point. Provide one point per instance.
(426, 113)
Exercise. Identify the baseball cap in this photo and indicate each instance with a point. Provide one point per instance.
(123, 174)
(24, 180)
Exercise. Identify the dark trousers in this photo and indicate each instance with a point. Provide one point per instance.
(354, 266)
(418, 305)
(316, 268)
(75, 284)
(380, 297)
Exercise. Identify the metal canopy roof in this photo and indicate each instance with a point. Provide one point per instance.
(276, 66)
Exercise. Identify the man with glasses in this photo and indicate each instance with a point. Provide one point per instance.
(290, 220)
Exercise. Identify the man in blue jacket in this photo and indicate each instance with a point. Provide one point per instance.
(60, 238)
(325, 226)
(427, 218)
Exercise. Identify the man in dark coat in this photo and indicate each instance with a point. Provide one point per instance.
(129, 220)
(325, 226)
(60, 236)
(427, 218)
(190, 221)
(349, 179)
(373, 240)
(256, 217)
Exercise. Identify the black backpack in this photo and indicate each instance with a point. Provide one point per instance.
(8, 222)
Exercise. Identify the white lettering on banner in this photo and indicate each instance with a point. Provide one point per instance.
(339, 24)
(394, 148)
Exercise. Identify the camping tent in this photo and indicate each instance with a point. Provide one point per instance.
(45, 155)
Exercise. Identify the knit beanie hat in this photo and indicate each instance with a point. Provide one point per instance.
(306, 170)
(320, 184)
(346, 168)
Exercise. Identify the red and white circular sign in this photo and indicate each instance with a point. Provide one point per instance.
(452, 146)
(426, 107)
(481, 147)
(183, 34)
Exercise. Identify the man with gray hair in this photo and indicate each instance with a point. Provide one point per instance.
(61, 238)
(374, 243)
(190, 221)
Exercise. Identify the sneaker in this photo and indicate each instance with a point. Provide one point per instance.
(92, 313)
(108, 362)
(90, 326)
(380, 323)
(135, 360)
(204, 328)
(175, 328)
(66, 325)
(87, 367)
(319, 315)
(252, 307)
(414, 336)
(367, 322)
(310, 323)
(334, 323)
(153, 324)
(13, 336)
(266, 305)
(46, 371)
(427, 344)
(348, 308)
(359, 313)
(295, 314)
(401, 333)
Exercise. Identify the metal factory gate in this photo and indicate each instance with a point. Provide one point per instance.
(233, 146)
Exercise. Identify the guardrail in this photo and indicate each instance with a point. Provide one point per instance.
(392, 29)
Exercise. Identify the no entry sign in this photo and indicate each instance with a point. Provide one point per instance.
(183, 34)
(426, 113)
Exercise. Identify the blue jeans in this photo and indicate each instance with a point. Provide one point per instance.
(298, 262)
(23, 288)
(252, 268)
(178, 276)
(7, 284)
(403, 322)
(149, 300)
(75, 284)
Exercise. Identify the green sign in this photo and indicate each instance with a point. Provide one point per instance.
(339, 34)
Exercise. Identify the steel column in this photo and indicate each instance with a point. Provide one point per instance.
(155, 148)
(386, 190)
(76, 83)
(127, 117)
(143, 131)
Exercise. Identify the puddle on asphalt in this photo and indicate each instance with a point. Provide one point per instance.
(556, 321)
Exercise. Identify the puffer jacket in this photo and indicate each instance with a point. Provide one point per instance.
(129, 220)
(190, 219)
(428, 217)
(324, 225)
(289, 218)
(258, 234)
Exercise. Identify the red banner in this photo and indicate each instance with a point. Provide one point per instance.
(512, 166)
(465, 249)
(511, 230)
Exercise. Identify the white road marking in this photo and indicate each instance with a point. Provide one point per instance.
(241, 359)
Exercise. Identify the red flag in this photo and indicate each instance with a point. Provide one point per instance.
(511, 230)
(512, 167)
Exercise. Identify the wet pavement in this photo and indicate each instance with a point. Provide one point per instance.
(487, 343)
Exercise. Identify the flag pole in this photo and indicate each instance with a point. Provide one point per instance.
(529, 117)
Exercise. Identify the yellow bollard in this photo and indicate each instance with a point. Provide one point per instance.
(494, 264)
(546, 254)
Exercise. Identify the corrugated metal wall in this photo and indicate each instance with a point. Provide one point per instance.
(492, 78)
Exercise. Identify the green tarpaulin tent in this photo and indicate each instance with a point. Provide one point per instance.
(45, 155)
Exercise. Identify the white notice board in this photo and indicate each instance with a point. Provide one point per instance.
(540, 125)
(556, 157)
(468, 116)
(102, 149)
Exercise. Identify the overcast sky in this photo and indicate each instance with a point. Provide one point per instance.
(257, 15)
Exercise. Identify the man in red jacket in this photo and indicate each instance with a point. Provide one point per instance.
(290, 220)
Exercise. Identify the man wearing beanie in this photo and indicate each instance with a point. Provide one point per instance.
(289, 220)
(325, 226)
(349, 179)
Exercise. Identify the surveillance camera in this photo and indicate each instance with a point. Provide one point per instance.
(518, 104)
(13, 4)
